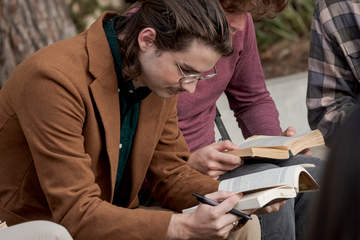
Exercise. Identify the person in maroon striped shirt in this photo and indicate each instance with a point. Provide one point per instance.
(240, 77)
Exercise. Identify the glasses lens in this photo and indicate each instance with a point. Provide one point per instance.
(190, 80)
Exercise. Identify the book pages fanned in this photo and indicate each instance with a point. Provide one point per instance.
(277, 147)
(260, 180)
(282, 176)
(269, 186)
(260, 199)
(267, 141)
(273, 141)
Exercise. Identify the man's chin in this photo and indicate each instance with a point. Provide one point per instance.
(164, 94)
(169, 92)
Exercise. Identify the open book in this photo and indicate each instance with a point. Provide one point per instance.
(278, 147)
(269, 186)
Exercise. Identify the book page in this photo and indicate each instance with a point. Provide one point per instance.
(269, 141)
(262, 198)
(282, 176)
(312, 139)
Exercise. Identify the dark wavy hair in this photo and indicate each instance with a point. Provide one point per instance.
(177, 23)
(257, 8)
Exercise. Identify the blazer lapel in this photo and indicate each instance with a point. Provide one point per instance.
(105, 91)
(107, 103)
(146, 138)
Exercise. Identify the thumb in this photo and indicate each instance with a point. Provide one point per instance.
(228, 204)
(289, 132)
(225, 145)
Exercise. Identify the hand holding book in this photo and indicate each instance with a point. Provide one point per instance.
(291, 132)
(211, 160)
(210, 220)
(277, 147)
(267, 187)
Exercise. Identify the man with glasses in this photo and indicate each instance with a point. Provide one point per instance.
(85, 120)
(241, 78)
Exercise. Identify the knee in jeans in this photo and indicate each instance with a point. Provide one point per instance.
(53, 231)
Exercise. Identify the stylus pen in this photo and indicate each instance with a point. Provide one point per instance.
(210, 202)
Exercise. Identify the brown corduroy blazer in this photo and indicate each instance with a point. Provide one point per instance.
(59, 146)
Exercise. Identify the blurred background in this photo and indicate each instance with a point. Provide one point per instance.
(26, 26)
(283, 38)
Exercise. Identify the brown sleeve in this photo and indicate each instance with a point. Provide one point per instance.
(172, 180)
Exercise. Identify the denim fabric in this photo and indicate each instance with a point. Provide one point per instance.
(35, 230)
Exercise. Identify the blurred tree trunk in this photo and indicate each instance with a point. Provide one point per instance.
(28, 25)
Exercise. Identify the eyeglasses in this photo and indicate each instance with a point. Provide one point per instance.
(192, 78)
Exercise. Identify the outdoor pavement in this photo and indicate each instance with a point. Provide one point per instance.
(289, 94)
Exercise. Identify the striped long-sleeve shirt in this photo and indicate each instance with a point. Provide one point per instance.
(334, 64)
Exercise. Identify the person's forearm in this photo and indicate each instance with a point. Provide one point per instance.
(254, 109)
(178, 228)
(328, 119)
(260, 119)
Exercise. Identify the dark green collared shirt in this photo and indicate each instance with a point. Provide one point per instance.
(130, 99)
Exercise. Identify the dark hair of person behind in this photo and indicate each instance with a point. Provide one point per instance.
(257, 8)
(336, 214)
(177, 23)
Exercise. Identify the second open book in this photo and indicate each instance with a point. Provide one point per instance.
(278, 147)
(269, 186)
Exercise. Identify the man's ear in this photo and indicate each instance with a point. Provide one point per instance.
(146, 38)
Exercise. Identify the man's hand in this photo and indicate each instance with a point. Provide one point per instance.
(210, 160)
(207, 222)
(269, 209)
(291, 132)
